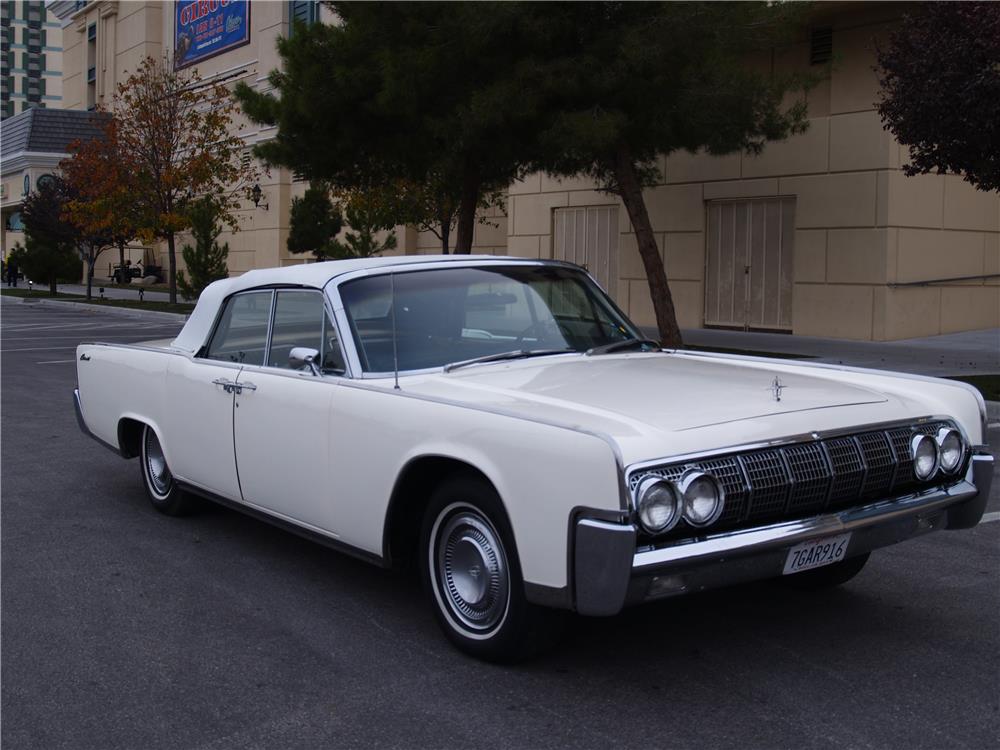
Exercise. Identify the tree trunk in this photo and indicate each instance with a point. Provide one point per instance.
(467, 212)
(91, 260)
(445, 235)
(172, 268)
(53, 284)
(631, 194)
(121, 262)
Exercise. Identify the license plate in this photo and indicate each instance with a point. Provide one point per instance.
(816, 554)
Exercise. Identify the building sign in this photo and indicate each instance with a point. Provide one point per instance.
(206, 28)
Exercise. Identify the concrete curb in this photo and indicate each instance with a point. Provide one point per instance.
(124, 312)
(993, 411)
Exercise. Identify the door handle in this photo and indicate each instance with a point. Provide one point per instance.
(245, 386)
(227, 385)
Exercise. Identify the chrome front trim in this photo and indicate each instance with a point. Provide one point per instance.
(751, 541)
(805, 437)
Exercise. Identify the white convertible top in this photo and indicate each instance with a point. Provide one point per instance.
(315, 275)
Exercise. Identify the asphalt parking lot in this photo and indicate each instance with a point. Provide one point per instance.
(122, 628)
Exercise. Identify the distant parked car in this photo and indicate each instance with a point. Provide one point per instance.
(501, 424)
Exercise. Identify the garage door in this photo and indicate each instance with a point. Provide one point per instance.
(588, 236)
(749, 251)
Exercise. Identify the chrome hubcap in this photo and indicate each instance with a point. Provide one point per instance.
(156, 465)
(472, 571)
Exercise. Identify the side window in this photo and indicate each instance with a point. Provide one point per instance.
(241, 335)
(301, 320)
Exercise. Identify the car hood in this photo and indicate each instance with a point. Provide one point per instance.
(645, 395)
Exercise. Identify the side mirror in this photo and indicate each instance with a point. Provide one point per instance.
(302, 356)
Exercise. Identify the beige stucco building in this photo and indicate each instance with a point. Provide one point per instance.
(820, 235)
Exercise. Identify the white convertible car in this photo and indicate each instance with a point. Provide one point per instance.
(501, 423)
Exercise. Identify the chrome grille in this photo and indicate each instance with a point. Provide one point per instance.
(811, 474)
(879, 461)
(729, 473)
(769, 483)
(799, 479)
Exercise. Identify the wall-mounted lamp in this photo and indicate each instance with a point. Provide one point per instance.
(255, 195)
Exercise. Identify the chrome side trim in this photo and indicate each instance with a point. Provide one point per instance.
(759, 539)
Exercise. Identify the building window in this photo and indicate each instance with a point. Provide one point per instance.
(820, 46)
(303, 11)
(588, 236)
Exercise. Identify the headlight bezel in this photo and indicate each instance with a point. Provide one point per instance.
(915, 443)
(645, 486)
(942, 435)
(684, 486)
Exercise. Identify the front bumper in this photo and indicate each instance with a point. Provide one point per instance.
(611, 573)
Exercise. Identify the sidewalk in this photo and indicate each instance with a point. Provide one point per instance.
(130, 291)
(966, 353)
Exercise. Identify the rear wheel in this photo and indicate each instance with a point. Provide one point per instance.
(161, 488)
(473, 578)
(828, 576)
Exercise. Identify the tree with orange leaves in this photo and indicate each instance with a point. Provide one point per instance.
(174, 134)
(103, 199)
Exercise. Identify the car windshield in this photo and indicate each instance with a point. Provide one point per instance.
(450, 315)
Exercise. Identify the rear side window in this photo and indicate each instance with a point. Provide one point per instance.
(241, 335)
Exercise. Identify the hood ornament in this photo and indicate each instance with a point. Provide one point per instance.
(776, 388)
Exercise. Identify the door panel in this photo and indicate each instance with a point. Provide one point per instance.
(588, 236)
(198, 426)
(748, 263)
(282, 437)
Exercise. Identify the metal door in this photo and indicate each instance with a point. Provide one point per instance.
(749, 250)
(588, 236)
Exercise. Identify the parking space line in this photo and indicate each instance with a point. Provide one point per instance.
(990, 517)
(38, 349)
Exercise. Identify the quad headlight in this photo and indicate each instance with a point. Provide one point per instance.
(703, 498)
(696, 497)
(659, 504)
(951, 449)
(926, 456)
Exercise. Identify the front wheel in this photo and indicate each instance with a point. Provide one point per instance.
(161, 489)
(473, 578)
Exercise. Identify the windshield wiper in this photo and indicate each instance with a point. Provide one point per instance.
(516, 354)
(617, 346)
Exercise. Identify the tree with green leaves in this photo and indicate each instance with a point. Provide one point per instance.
(206, 259)
(369, 213)
(314, 222)
(475, 94)
(430, 94)
(626, 83)
(177, 138)
(49, 263)
(54, 243)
